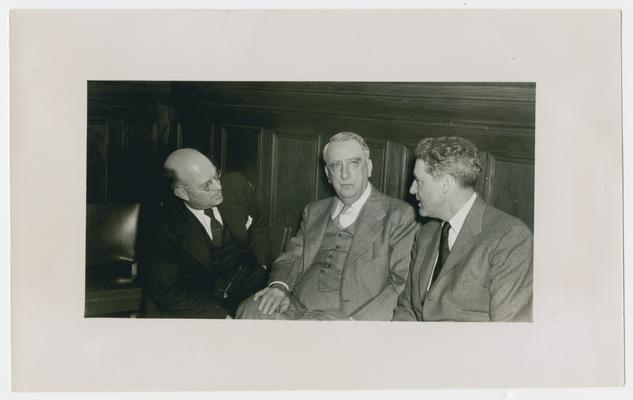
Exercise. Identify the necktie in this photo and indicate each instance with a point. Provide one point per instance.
(345, 216)
(442, 255)
(216, 228)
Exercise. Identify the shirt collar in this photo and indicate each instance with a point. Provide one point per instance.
(458, 219)
(356, 206)
(193, 210)
(201, 215)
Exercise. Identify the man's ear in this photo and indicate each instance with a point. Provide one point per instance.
(327, 173)
(369, 167)
(181, 193)
(447, 182)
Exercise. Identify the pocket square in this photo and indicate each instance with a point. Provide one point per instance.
(249, 221)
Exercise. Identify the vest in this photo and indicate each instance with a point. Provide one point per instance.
(319, 289)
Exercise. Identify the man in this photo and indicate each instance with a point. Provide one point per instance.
(211, 247)
(474, 263)
(350, 257)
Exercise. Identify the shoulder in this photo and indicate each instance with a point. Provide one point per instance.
(233, 182)
(426, 232)
(393, 206)
(499, 222)
(167, 219)
(320, 205)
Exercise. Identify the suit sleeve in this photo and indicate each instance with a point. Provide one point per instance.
(511, 276)
(289, 265)
(258, 234)
(163, 280)
(381, 307)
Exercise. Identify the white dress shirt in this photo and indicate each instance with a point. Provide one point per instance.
(349, 217)
(457, 221)
(205, 220)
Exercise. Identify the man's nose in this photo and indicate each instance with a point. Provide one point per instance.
(344, 171)
(414, 188)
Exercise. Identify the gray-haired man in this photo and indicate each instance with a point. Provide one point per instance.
(350, 257)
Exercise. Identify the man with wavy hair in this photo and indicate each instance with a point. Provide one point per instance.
(472, 262)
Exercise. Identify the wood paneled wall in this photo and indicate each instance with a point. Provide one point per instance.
(274, 132)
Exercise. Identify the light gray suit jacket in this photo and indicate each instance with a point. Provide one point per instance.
(377, 264)
(487, 275)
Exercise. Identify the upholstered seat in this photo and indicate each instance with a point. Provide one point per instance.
(111, 260)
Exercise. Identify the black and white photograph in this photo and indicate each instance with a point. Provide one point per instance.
(278, 201)
(310, 200)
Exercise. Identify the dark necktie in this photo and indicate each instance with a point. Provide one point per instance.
(442, 255)
(216, 228)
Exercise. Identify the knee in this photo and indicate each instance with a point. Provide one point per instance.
(248, 309)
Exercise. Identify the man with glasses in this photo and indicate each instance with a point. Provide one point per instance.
(210, 248)
(350, 257)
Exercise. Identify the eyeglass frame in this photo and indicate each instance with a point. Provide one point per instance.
(207, 186)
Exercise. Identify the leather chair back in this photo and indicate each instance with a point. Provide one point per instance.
(111, 232)
(111, 285)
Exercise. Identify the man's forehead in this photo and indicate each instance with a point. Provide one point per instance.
(420, 168)
(344, 150)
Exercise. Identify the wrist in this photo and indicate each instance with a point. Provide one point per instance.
(280, 286)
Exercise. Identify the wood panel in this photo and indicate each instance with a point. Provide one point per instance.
(199, 135)
(377, 153)
(240, 151)
(397, 170)
(484, 103)
(295, 164)
(510, 140)
(511, 188)
(97, 166)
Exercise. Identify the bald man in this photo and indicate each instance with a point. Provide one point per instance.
(210, 249)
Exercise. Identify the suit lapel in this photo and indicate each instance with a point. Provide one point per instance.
(236, 221)
(370, 224)
(314, 237)
(466, 238)
(195, 240)
(426, 261)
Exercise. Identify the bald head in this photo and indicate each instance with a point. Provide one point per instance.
(184, 165)
(194, 178)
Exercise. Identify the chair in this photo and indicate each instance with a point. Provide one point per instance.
(112, 289)
(279, 237)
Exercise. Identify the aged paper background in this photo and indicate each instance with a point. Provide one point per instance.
(574, 57)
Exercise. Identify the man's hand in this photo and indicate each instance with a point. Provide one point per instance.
(272, 299)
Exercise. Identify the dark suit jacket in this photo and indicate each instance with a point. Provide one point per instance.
(487, 275)
(176, 264)
(377, 264)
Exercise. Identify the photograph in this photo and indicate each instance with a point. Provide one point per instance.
(294, 200)
(306, 200)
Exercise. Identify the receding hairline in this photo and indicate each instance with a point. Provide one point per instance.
(183, 161)
(347, 137)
